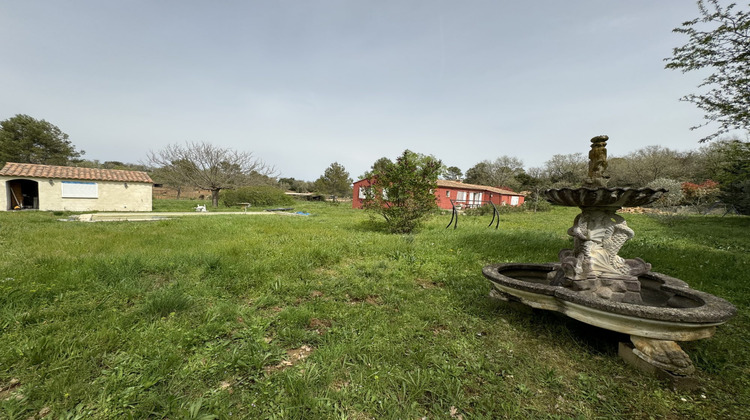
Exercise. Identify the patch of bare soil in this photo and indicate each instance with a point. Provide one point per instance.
(371, 299)
(293, 356)
(428, 284)
(320, 325)
(7, 391)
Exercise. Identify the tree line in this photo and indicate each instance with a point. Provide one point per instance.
(718, 170)
(722, 167)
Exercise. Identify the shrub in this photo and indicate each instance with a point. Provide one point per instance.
(482, 210)
(262, 195)
(536, 205)
(401, 192)
(486, 209)
(673, 197)
(700, 194)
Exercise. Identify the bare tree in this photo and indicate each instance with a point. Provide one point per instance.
(566, 170)
(500, 173)
(209, 167)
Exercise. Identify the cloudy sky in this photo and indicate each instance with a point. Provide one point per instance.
(304, 83)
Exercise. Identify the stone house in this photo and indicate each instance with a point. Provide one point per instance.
(64, 188)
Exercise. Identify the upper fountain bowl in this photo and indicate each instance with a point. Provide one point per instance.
(603, 197)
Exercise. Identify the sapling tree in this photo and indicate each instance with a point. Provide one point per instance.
(403, 191)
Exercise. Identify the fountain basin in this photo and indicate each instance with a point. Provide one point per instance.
(671, 310)
(603, 197)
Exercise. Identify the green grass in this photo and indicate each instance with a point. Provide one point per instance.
(163, 205)
(328, 316)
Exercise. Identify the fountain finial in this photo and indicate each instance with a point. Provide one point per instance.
(597, 162)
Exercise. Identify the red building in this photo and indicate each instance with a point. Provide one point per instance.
(463, 195)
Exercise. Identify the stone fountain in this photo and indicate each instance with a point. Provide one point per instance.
(593, 284)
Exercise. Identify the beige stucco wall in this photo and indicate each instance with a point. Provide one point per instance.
(113, 196)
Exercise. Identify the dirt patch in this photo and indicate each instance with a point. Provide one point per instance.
(7, 390)
(371, 299)
(440, 329)
(339, 385)
(226, 386)
(320, 325)
(641, 210)
(428, 284)
(293, 356)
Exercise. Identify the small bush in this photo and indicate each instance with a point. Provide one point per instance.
(482, 210)
(539, 206)
(262, 195)
(673, 197)
(486, 209)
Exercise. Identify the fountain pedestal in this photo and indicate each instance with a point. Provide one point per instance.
(593, 266)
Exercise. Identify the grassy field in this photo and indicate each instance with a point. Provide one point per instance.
(327, 316)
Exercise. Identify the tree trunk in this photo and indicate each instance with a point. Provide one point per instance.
(215, 197)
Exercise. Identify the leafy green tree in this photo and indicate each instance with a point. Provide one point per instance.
(500, 173)
(208, 167)
(723, 48)
(452, 173)
(24, 139)
(733, 174)
(378, 166)
(296, 185)
(335, 181)
(403, 191)
(535, 181)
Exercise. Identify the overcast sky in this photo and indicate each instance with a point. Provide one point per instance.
(304, 83)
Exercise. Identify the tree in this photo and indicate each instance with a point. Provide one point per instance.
(24, 139)
(535, 180)
(724, 48)
(208, 167)
(402, 191)
(498, 173)
(378, 166)
(566, 170)
(648, 164)
(452, 173)
(700, 195)
(296, 185)
(334, 181)
(733, 174)
(171, 175)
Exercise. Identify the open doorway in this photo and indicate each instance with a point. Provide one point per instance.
(23, 194)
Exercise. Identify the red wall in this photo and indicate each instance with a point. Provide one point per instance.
(442, 200)
(356, 201)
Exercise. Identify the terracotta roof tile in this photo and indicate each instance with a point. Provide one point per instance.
(68, 172)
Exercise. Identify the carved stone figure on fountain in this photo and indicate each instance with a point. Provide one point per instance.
(597, 162)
